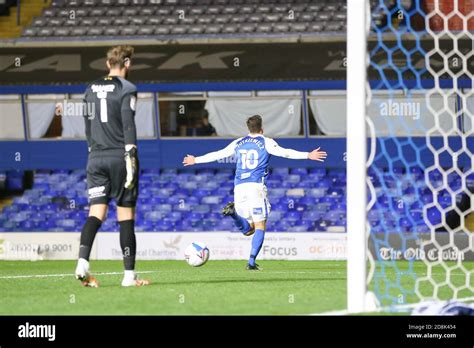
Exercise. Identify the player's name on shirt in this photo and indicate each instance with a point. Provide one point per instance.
(102, 88)
(256, 141)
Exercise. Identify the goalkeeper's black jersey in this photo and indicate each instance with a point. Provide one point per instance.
(110, 113)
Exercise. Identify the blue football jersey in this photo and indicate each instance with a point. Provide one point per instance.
(252, 160)
(253, 153)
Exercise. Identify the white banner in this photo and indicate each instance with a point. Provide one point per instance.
(170, 246)
(228, 246)
(40, 246)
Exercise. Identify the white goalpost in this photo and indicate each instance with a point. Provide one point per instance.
(409, 200)
(356, 154)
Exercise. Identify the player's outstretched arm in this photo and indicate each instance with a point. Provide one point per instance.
(189, 160)
(274, 149)
(317, 155)
(228, 151)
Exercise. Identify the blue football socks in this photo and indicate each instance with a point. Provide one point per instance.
(257, 242)
(241, 223)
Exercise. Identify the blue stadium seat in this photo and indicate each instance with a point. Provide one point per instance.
(14, 180)
(299, 171)
(195, 217)
(145, 225)
(277, 193)
(211, 200)
(299, 228)
(317, 192)
(333, 216)
(322, 225)
(280, 171)
(174, 215)
(226, 225)
(293, 216)
(434, 215)
(154, 215)
(273, 183)
(189, 185)
(66, 223)
(164, 208)
(163, 225)
(308, 200)
(421, 228)
(202, 209)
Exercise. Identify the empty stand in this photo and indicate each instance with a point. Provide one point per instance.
(303, 200)
(90, 18)
(170, 200)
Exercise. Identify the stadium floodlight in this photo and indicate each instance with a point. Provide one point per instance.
(410, 97)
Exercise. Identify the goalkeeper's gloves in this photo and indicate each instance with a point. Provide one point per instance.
(131, 163)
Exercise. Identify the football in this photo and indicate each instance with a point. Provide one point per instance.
(196, 254)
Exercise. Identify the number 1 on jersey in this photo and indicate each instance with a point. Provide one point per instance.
(103, 106)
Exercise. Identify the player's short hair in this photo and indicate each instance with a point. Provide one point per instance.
(118, 55)
(254, 123)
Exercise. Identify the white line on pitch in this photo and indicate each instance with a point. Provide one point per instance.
(117, 273)
(66, 275)
(141, 272)
(180, 271)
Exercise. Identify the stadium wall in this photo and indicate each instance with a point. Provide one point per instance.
(168, 153)
(49, 154)
(161, 152)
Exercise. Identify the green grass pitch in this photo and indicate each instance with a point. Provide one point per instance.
(219, 287)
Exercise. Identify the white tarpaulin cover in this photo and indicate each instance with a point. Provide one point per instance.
(390, 114)
(40, 115)
(11, 119)
(281, 117)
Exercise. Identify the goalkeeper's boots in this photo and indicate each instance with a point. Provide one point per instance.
(255, 267)
(134, 281)
(229, 209)
(84, 276)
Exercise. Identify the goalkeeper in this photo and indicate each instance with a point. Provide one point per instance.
(112, 167)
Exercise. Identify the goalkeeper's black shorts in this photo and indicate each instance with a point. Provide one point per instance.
(106, 176)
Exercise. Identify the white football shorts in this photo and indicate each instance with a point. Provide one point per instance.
(251, 201)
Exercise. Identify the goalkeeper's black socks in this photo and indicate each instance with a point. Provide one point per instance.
(89, 231)
(128, 243)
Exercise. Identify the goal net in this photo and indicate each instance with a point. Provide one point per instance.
(419, 174)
